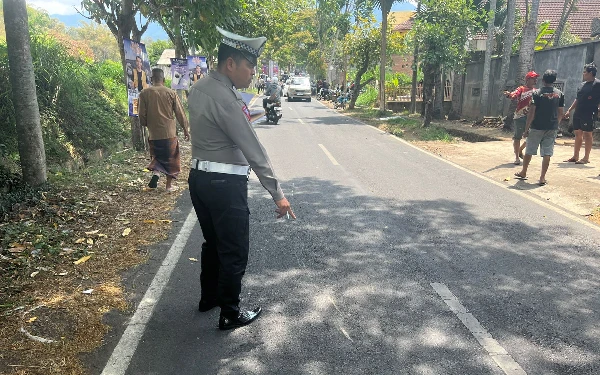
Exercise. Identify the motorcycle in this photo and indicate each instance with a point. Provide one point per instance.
(341, 101)
(274, 112)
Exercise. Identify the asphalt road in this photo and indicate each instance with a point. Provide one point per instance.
(399, 263)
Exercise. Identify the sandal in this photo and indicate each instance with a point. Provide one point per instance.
(571, 160)
(517, 175)
(581, 161)
(542, 183)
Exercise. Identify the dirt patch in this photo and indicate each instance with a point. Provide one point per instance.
(62, 257)
(573, 187)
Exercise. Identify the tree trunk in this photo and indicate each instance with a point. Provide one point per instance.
(415, 69)
(24, 96)
(525, 56)
(358, 85)
(429, 72)
(487, 62)
(507, 50)
(382, 65)
(457, 86)
(567, 9)
(438, 100)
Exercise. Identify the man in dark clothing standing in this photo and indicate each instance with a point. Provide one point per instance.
(587, 106)
(545, 112)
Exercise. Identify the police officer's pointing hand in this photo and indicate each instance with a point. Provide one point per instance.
(284, 208)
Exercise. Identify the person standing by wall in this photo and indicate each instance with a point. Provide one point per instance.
(523, 97)
(586, 106)
(159, 106)
(545, 112)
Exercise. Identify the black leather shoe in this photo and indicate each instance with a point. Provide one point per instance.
(204, 306)
(244, 318)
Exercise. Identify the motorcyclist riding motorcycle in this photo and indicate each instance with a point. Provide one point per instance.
(272, 103)
(273, 92)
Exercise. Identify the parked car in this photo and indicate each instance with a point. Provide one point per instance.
(298, 88)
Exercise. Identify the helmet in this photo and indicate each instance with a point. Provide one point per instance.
(275, 80)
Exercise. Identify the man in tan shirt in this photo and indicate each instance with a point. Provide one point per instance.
(159, 106)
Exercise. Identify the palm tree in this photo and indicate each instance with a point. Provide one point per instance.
(526, 52)
(509, 32)
(485, 90)
(24, 97)
(569, 6)
(415, 67)
(385, 6)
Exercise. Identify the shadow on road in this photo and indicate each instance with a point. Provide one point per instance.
(346, 289)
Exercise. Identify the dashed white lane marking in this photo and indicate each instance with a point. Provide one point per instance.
(493, 347)
(121, 356)
(329, 155)
(302, 122)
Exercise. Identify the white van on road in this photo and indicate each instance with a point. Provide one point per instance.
(298, 88)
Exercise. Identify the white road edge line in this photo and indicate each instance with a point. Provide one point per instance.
(493, 347)
(523, 194)
(329, 155)
(123, 352)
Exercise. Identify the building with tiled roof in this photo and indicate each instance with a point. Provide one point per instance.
(396, 18)
(580, 20)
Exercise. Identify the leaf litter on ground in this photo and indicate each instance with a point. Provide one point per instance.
(45, 249)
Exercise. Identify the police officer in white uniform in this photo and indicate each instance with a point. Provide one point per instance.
(224, 148)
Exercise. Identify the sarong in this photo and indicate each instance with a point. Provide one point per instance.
(165, 156)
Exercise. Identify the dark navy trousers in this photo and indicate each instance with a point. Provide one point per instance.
(221, 205)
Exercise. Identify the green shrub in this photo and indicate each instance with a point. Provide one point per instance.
(368, 98)
(83, 105)
(436, 133)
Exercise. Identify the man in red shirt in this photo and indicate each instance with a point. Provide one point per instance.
(523, 97)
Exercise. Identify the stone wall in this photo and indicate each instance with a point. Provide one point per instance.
(568, 61)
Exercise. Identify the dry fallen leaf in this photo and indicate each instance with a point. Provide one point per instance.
(126, 232)
(150, 221)
(82, 260)
(102, 235)
(34, 274)
(80, 240)
(193, 259)
(16, 249)
(166, 221)
(89, 291)
(90, 241)
(92, 232)
(32, 319)
(63, 274)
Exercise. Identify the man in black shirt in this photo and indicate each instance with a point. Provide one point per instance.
(586, 108)
(545, 112)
